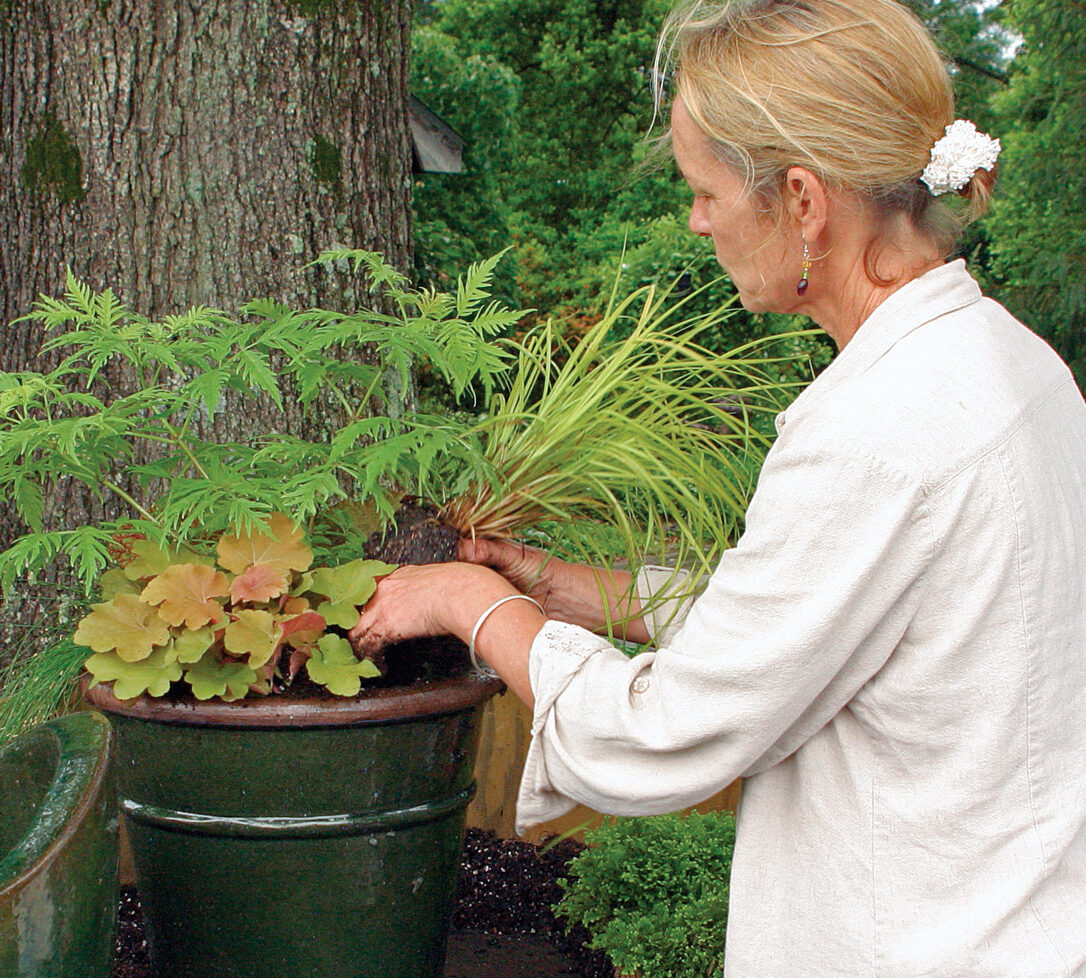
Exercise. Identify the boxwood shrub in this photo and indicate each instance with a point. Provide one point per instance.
(653, 892)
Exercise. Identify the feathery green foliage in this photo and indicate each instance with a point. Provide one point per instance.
(141, 446)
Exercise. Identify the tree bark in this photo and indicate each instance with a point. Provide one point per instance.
(197, 153)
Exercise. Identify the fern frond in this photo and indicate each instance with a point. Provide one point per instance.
(474, 286)
(379, 271)
(86, 549)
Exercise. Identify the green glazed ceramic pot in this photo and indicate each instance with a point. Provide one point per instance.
(277, 838)
(58, 851)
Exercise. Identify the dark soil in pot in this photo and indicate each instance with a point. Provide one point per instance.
(419, 537)
(506, 890)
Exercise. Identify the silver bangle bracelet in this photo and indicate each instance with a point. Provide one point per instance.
(486, 614)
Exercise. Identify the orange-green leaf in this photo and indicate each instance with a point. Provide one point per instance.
(254, 633)
(185, 593)
(124, 623)
(335, 666)
(150, 559)
(282, 546)
(298, 658)
(343, 615)
(258, 583)
(227, 680)
(151, 675)
(263, 683)
(114, 581)
(303, 629)
(295, 606)
(364, 518)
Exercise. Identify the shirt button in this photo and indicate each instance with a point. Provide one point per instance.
(779, 422)
(641, 685)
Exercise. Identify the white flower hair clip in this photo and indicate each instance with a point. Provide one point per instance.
(958, 155)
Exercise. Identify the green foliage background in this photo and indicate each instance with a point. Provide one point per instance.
(1038, 224)
(553, 97)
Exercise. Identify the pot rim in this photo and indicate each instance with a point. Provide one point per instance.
(84, 743)
(388, 705)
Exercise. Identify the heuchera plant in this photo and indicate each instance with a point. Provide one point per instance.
(255, 613)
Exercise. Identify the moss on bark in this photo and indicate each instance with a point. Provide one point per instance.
(53, 162)
(324, 159)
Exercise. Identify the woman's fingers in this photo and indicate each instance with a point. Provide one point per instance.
(523, 566)
(417, 601)
(499, 554)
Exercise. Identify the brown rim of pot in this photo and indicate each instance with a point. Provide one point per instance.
(404, 703)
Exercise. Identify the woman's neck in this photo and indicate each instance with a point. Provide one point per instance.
(846, 294)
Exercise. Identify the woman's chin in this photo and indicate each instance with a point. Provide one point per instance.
(764, 300)
(754, 302)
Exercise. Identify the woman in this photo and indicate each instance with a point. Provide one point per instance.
(893, 654)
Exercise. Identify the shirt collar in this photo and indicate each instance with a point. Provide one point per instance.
(942, 290)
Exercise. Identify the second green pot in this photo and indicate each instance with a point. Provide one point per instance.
(58, 850)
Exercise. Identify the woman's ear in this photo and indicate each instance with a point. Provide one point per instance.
(806, 201)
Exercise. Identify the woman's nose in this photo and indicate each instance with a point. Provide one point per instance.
(699, 219)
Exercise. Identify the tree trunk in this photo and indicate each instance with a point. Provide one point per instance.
(197, 154)
(192, 154)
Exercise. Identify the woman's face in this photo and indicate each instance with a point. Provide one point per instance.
(749, 246)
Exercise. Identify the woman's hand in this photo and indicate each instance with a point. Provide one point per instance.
(417, 601)
(568, 592)
(528, 569)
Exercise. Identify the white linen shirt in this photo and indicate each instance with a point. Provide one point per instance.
(893, 656)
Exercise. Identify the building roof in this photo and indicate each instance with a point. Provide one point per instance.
(438, 148)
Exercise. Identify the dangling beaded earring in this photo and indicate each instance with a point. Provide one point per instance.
(801, 285)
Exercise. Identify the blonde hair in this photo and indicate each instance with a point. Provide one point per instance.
(853, 90)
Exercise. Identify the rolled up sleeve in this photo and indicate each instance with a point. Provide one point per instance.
(795, 619)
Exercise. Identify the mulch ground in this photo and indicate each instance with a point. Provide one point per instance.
(503, 924)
